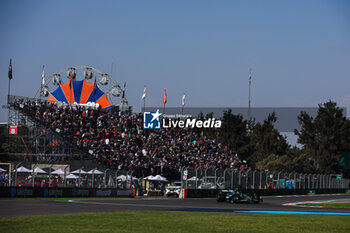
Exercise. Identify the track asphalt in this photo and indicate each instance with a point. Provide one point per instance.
(29, 207)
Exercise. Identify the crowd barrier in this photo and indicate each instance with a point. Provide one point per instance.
(63, 192)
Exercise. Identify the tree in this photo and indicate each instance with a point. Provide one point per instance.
(325, 137)
(234, 134)
(276, 163)
(266, 140)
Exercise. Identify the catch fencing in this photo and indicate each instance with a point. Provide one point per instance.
(211, 178)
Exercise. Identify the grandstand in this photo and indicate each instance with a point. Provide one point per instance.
(118, 141)
(77, 121)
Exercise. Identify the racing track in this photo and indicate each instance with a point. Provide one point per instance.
(28, 207)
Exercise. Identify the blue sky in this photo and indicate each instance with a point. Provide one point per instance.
(299, 50)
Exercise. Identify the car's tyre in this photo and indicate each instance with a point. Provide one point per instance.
(220, 198)
(256, 198)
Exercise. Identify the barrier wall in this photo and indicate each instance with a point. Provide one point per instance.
(62, 192)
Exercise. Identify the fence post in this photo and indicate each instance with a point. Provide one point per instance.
(181, 171)
(33, 177)
(116, 179)
(65, 176)
(246, 179)
(186, 177)
(309, 182)
(267, 179)
(197, 177)
(105, 177)
(225, 177)
(15, 173)
(294, 178)
(239, 179)
(129, 179)
(232, 173)
(93, 178)
(278, 180)
(79, 185)
(215, 177)
(254, 179)
(314, 178)
(260, 179)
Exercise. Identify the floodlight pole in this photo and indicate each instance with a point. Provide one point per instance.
(249, 97)
(8, 114)
(144, 104)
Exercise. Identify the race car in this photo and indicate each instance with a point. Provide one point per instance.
(173, 189)
(236, 196)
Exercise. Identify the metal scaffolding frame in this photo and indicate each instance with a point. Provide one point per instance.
(33, 138)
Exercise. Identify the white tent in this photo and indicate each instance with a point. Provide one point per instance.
(149, 177)
(38, 170)
(193, 178)
(81, 171)
(2, 170)
(22, 169)
(123, 178)
(72, 176)
(59, 172)
(156, 178)
(95, 171)
(160, 178)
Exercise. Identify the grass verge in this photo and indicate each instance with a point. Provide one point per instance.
(167, 221)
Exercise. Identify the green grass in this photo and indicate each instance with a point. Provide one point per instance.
(341, 205)
(167, 221)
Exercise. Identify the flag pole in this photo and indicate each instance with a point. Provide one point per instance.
(183, 103)
(8, 91)
(164, 100)
(8, 101)
(9, 87)
(249, 96)
(41, 85)
(143, 97)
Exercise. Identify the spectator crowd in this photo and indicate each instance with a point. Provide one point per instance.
(120, 142)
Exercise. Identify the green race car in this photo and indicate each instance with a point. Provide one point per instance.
(236, 196)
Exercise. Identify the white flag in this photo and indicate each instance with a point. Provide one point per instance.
(143, 94)
(43, 77)
(183, 99)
